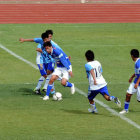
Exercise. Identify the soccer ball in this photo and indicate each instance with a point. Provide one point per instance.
(57, 96)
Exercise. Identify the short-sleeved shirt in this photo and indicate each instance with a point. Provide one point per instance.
(96, 66)
(137, 70)
(61, 58)
(42, 57)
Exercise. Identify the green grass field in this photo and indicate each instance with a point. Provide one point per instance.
(25, 116)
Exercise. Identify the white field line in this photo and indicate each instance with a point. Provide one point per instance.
(110, 109)
(78, 90)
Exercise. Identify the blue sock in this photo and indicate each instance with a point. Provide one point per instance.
(126, 105)
(112, 98)
(48, 89)
(68, 84)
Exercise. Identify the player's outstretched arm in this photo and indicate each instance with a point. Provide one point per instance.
(25, 40)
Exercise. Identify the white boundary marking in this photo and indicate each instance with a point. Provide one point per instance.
(78, 90)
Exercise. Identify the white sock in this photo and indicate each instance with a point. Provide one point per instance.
(47, 81)
(40, 81)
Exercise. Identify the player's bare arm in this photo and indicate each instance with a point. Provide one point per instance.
(131, 78)
(94, 77)
(39, 50)
(25, 40)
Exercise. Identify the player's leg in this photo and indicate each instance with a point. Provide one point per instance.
(41, 79)
(105, 93)
(91, 96)
(50, 85)
(138, 93)
(131, 90)
(49, 68)
(55, 75)
(65, 81)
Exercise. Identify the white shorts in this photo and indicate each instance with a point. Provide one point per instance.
(62, 72)
(132, 90)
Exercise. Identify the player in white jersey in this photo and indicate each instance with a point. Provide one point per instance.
(97, 83)
(134, 86)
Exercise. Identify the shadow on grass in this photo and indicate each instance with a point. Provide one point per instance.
(26, 91)
(79, 112)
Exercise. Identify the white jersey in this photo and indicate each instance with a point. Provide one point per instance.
(96, 66)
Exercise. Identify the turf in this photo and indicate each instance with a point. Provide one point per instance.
(25, 115)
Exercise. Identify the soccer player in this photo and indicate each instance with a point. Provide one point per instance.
(63, 70)
(97, 83)
(135, 85)
(45, 63)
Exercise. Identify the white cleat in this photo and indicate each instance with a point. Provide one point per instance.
(45, 98)
(123, 111)
(91, 110)
(117, 101)
(72, 89)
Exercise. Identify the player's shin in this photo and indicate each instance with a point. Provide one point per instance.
(40, 81)
(49, 89)
(47, 81)
(68, 84)
(126, 105)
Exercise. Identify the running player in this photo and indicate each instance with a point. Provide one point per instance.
(134, 86)
(97, 83)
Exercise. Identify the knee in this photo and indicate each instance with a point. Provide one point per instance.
(51, 80)
(49, 72)
(63, 83)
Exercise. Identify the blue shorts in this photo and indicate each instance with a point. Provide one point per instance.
(44, 67)
(92, 93)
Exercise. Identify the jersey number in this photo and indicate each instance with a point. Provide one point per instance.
(98, 71)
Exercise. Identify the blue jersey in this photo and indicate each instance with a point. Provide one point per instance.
(42, 57)
(61, 58)
(137, 70)
(40, 41)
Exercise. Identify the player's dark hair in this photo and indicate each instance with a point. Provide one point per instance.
(49, 32)
(48, 43)
(89, 55)
(44, 35)
(134, 53)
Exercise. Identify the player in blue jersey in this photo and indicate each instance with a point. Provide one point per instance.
(97, 83)
(63, 70)
(45, 65)
(135, 85)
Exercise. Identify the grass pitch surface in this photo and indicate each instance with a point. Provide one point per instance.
(24, 115)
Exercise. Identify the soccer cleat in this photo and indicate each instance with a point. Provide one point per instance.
(44, 90)
(91, 110)
(45, 98)
(37, 91)
(72, 89)
(123, 111)
(117, 101)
